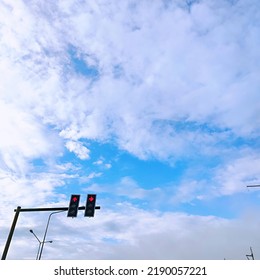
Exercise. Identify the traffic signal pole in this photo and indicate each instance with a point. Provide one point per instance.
(17, 212)
(18, 209)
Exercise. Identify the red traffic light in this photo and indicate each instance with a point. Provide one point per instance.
(90, 205)
(73, 206)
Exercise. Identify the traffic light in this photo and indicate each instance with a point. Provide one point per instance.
(74, 205)
(90, 205)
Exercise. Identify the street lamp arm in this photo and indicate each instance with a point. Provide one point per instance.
(31, 231)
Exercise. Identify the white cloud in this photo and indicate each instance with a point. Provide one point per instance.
(200, 75)
(141, 80)
(235, 176)
(79, 149)
(88, 178)
(127, 188)
(108, 165)
(98, 162)
(227, 179)
(102, 163)
(34, 190)
(23, 139)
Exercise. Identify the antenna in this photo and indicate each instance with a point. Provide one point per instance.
(253, 186)
(251, 256)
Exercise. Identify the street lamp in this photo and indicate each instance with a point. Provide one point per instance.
(40, 243)
(44, 237)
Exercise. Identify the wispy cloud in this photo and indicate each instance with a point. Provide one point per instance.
(79, 149)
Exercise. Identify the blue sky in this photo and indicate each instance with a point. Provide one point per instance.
(153, 105)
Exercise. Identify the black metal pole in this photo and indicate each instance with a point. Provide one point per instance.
(52, 209)
(9, 239)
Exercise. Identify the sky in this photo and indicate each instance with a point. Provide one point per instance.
(153, 106)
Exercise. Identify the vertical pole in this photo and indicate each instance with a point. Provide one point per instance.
(44, 237)
(38, 252)
(252, 254)
(9, 239)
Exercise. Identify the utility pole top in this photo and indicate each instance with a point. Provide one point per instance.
(251, 256)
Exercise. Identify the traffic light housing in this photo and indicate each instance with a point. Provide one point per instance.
(90, 205)
(73, 206)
